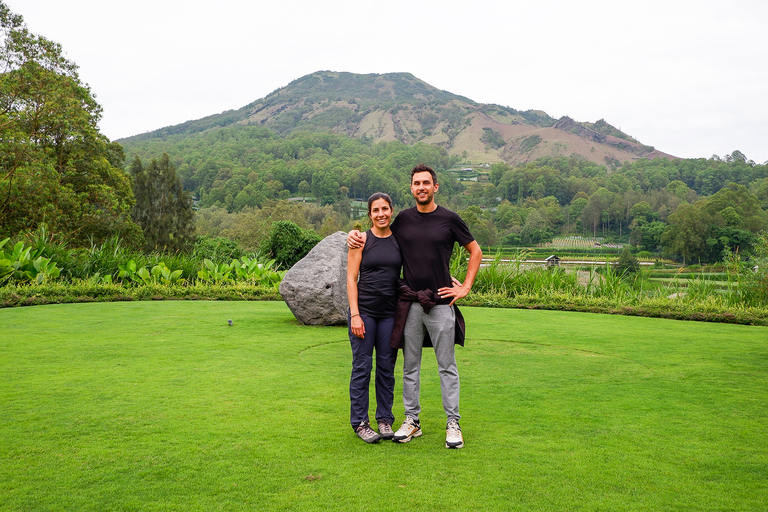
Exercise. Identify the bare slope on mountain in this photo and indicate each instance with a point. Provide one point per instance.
(400, 107)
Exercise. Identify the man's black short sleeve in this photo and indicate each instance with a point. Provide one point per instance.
(426, 242)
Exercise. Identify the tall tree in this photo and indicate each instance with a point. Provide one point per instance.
(689, 228)
(163, 209)
(55, 166)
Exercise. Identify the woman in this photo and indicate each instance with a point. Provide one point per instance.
(372, 274)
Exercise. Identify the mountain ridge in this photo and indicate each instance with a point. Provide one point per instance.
(400, 107)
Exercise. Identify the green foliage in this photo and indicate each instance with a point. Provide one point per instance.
(513, 239)
(492, 138)
(247, 169)
(110, 262)
(288, 243)
(217, 273)
(239, 167)
(127, 270)
(264, 273)
(164, 275)
(247, 270)
(748, 280)
(511, 277)
(216, 248)
(529, 143)
(601, 126)
(162, 209)
(754, 285)
(6, 269)
(56, 166)
(25, 264)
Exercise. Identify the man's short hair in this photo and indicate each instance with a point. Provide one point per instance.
(424, 168)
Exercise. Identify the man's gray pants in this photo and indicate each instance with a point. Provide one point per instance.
(440, 324)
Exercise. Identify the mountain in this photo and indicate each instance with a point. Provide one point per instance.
(399, 106)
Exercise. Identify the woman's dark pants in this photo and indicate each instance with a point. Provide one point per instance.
(377, 334)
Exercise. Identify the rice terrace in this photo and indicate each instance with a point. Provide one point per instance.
(163, 406)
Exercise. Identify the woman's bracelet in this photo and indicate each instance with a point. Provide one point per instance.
(356, 314)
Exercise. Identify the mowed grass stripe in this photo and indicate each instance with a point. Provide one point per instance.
(164, 406)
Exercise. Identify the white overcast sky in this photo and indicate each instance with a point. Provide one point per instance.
(689, 77)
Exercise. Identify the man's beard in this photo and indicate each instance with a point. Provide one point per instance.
(426, 200)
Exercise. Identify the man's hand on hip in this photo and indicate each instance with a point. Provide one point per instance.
(456, 291)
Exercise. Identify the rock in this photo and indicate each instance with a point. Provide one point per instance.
(315, 288)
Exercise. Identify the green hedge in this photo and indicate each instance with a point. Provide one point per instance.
(711, 310)
(59, 293)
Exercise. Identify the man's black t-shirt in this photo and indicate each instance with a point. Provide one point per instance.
(426, 243)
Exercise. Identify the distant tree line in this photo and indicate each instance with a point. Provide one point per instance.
(237, 171)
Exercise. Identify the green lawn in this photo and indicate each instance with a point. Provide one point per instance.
(163, 406)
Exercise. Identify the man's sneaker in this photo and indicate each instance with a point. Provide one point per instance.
(453, 437)
(366, 433)
(385, 430)
(409, 429)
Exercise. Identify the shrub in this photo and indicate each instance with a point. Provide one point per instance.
(627, 264)
(216, 248)
(288, 243)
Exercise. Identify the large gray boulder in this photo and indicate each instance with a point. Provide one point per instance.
(315, 288)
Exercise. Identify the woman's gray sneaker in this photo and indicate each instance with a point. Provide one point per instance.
(385, 430)
(366, 433)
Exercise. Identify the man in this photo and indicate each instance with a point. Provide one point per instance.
(426, 234)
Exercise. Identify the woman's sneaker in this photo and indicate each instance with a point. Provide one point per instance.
(385, 430)
(366, 433)
(409, 429)
(453, 437)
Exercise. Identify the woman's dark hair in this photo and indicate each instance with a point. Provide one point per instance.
(379, 195)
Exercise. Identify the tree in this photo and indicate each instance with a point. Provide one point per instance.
(650, 236)
(642, 211)
(163, 209)
(737, 207)
(535, 229)
(304, 189)
(600, 209)
(55, 166)
(689, 228)
(480, 225)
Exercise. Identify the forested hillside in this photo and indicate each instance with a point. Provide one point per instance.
(691, 209)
